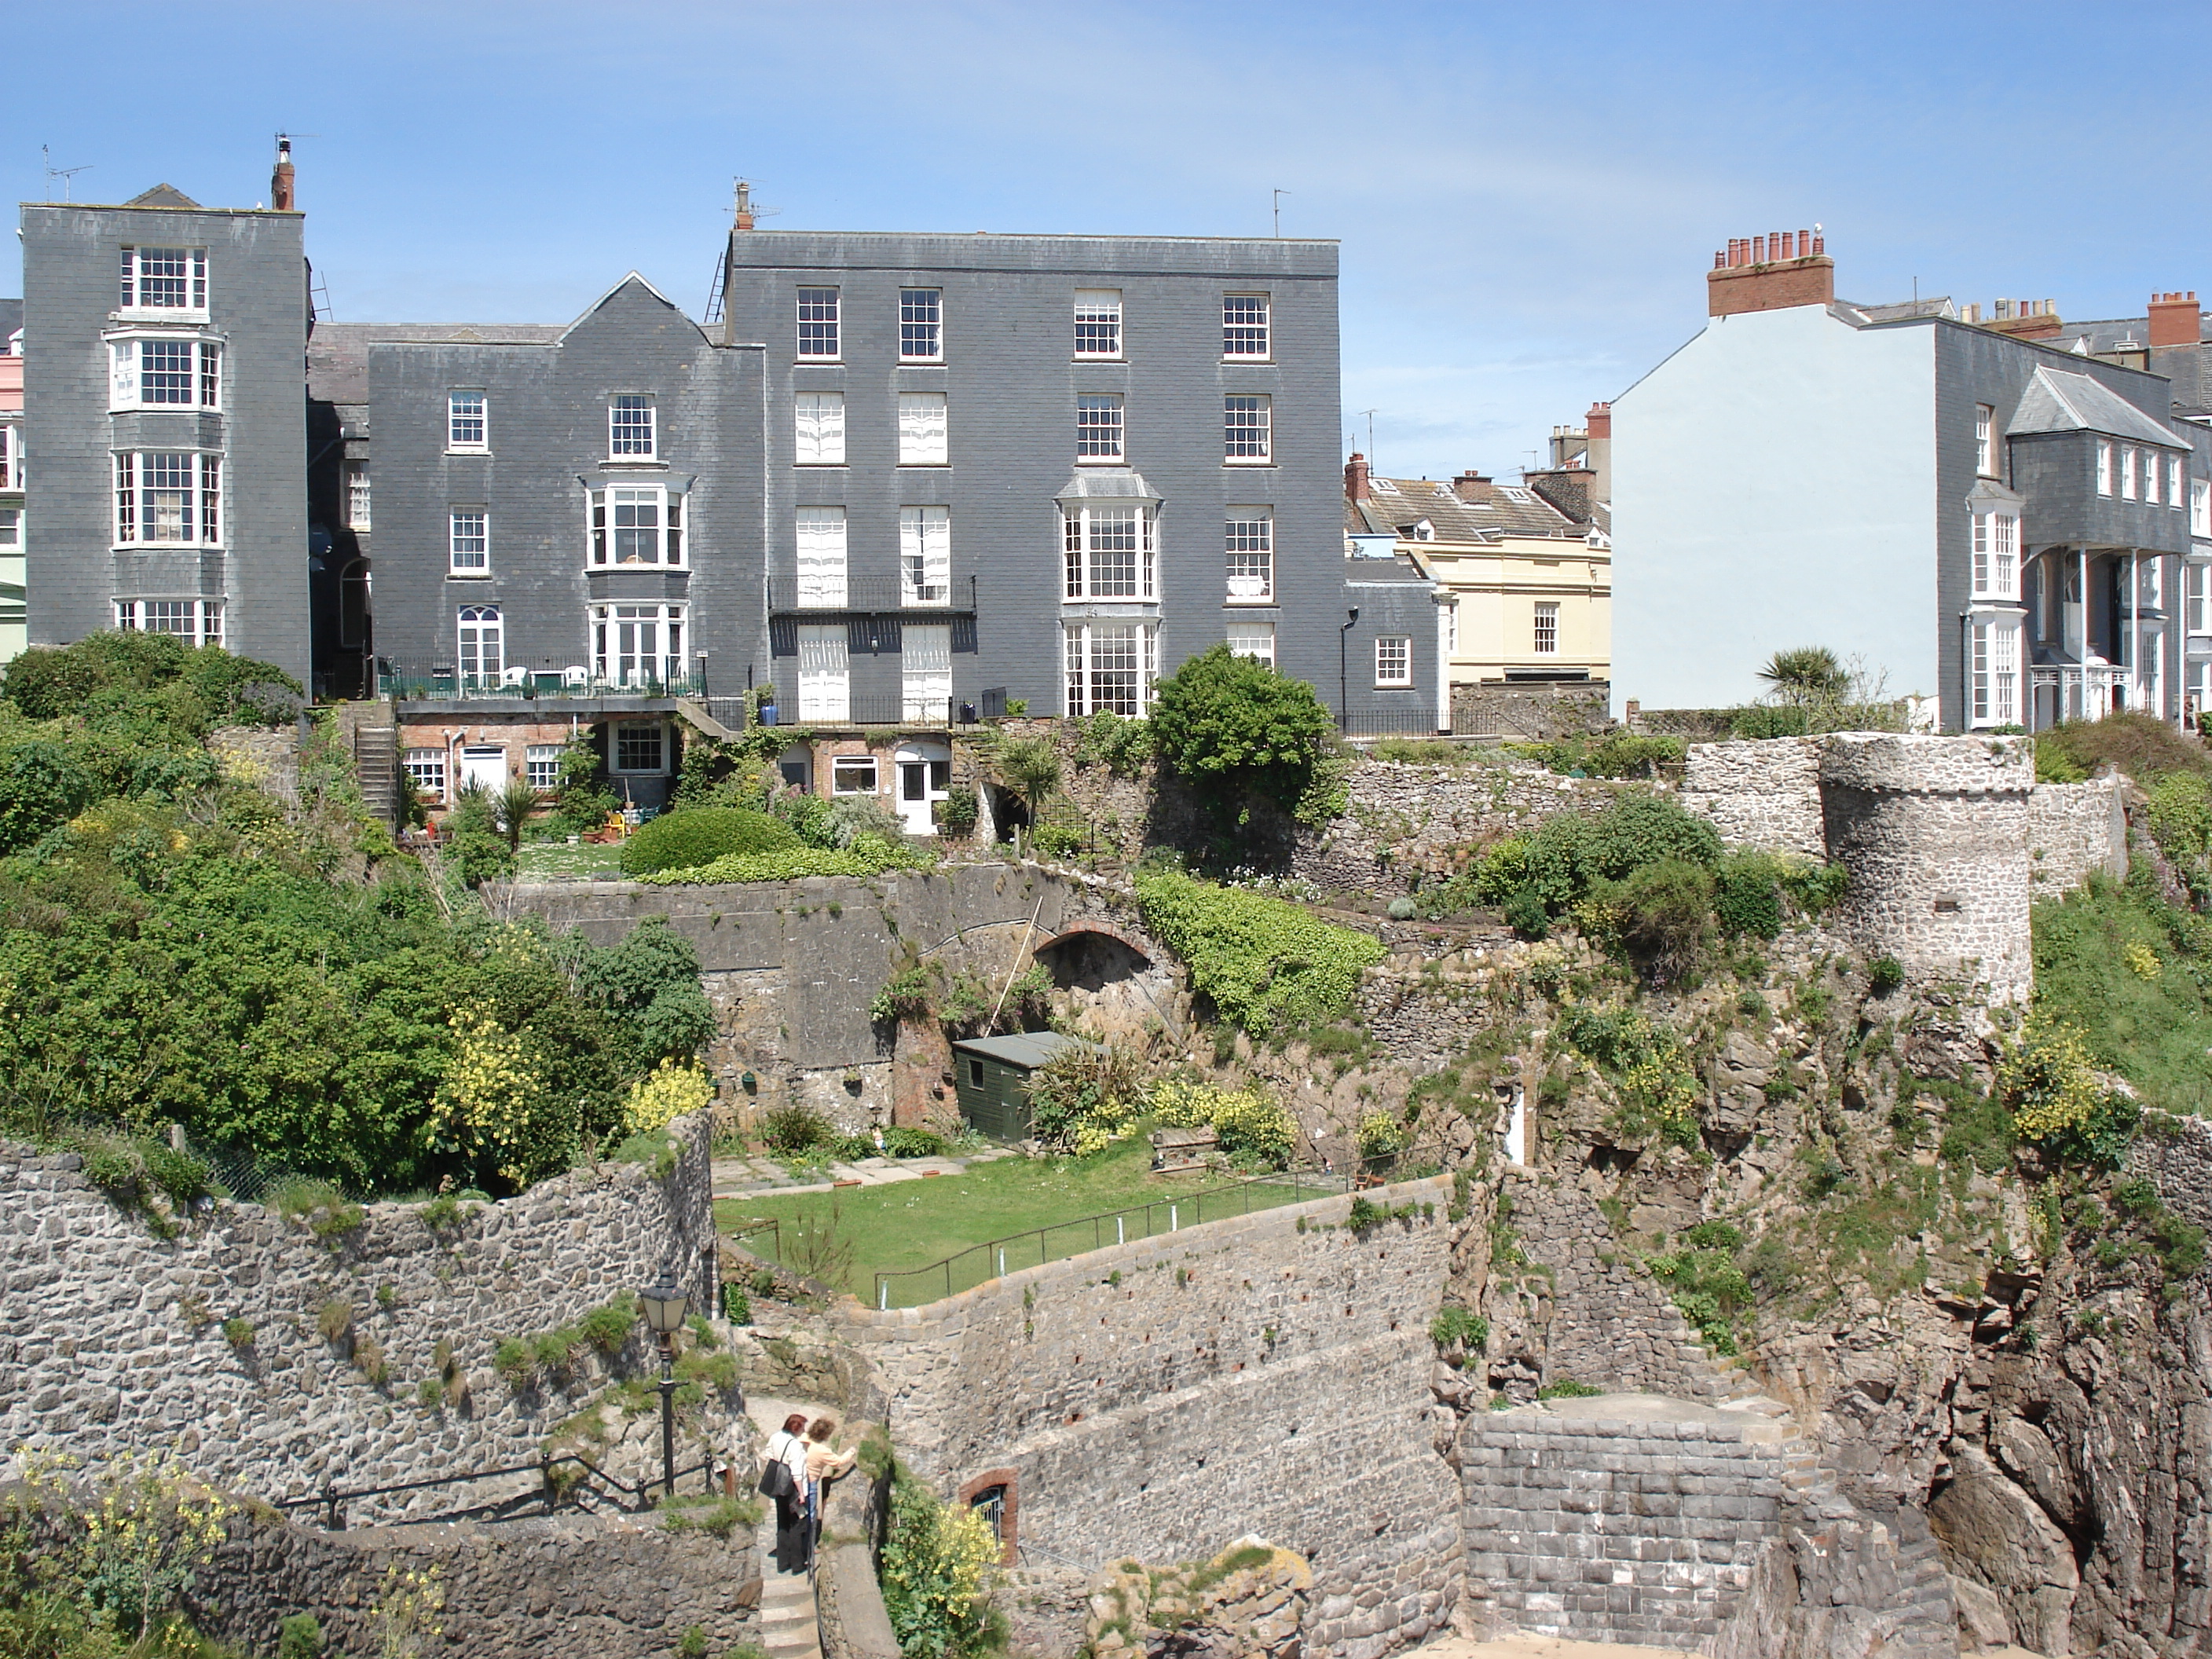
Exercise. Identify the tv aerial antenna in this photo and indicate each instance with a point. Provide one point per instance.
(66, 174)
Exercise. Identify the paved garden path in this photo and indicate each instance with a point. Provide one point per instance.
(750, 1177)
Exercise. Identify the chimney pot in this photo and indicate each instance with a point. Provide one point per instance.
(2175, 320)
(1355, 477)
(280, 180)
(1772, 272)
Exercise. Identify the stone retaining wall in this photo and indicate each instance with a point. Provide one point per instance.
(2074, 828)
(112, 1339)
(564, 1587)
(2176, 1155)
(1760, 794)
(1156, 1400)
(1401, 821)
(1606, 1530)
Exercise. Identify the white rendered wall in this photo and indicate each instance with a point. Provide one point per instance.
(1774, 485)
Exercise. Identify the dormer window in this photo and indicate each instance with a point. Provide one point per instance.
(1419, 530)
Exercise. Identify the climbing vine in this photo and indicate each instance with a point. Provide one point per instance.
(1268, 966)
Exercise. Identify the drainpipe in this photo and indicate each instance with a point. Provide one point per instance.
(2081, 572)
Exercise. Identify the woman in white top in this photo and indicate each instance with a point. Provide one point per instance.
(789, 1447)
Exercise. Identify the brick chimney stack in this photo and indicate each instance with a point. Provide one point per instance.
(1469, 485)
(1355, 478)
(744, 205)
(280, 181)
(2175, 319)
(1599, 421)
(1772, 272)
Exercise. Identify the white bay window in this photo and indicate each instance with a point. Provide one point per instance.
(164, 371)
(1109, 552)
(1997, 556)
(637, 524)
(195, 621)
(638, 644)
(1110, 666)
(1993, 671)
(169, 496)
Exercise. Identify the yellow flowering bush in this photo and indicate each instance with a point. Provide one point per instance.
(2047, 1082)
(936, 1567)
(491, 1105)
(408, 1612)
(672, 1090)
(1252, 1127)
(2142, 962)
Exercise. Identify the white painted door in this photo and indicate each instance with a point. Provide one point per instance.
(484, 766)
(923, 772)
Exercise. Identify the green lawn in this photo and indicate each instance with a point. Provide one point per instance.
(913, 1223)
(540, 859)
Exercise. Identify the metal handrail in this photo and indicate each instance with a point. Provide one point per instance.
(332, 1497)
(995, 1252)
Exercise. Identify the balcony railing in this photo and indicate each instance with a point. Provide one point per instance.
(869, 594)
(546, 679)
(1406, 719)
(932, 713)
(2078, 693)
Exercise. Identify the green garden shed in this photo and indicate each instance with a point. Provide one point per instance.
(991, 1077)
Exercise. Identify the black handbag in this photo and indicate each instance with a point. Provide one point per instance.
(775, 1482)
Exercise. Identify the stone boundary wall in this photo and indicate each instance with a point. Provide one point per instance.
(111, 1339)
(561, 1587)
(1539, 711)
(849, 1602)
(790, 968)
(1401, 820)
(2075, 828)
(2176, 1156)
(1760, 794)
(1158, 1399)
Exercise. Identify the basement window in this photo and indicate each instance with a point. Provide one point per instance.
(852, 776)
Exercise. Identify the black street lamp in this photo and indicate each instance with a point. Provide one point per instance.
(664, 1304)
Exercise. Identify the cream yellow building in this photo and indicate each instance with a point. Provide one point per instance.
(1530, 585)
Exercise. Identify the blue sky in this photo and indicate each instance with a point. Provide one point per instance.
(1527, 197)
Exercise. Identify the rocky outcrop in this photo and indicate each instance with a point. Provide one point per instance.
(1249, 1603)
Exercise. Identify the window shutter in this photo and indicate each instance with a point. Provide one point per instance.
(822, 557)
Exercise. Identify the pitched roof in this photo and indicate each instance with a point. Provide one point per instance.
(161, 196)
(337, 353)
(2057, 401)
(1468, 511)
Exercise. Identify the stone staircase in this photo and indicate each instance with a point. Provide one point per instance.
(376, 762)
(789, 1626)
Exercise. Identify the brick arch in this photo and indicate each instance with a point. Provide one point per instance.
(1009, 1514)
(1144, 947)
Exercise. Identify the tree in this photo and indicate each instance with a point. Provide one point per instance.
(1233, 727)
(1030, 768)
(1807, 674)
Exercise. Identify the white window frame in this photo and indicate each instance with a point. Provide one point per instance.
(1255, 640)
(821, 558)
(925, 557)
(921, 325)
(1247, 420)
(924, 429)
(824, 673)
(128, 373)
(467, 410)
(823, 331)
(1124, 688)
(1996, 572)
(541, 766)
(131, 296)
(2173, 470)
(1986, 445)
(360, 499)
(2200, 508)
(639, 643)
(1394, 661)
(1100, 442)
(2197, 600)
(1097, 319)
(11, 455)
(195, 621)
(1544, 629)
(468, 542)
(608, 505)
(2103, 468)
(2151, 593)
(1247, 331)
(1093, 559)
(624, 436)
(137, 480)
(925, 671)
(1248, 555)
(11, 530)
(426, 769)
(817, 420)
(865, 771)
(635, 735)
(479, 648)
(2128, 473)
(1992, 671)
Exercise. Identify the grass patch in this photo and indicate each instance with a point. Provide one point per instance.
(911, 1223)
(2153, 1031)
(535, 861)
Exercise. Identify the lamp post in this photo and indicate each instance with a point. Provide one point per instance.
(1343, 681)
(664, 1304)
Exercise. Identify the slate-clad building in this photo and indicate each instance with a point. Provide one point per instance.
(1996, 519)
(163, 378)
(1056, 466)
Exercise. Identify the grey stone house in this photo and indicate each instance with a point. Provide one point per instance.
(1999, 520)
(163, 379)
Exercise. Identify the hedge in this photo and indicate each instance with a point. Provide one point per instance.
(685, 840)
(1267, 965)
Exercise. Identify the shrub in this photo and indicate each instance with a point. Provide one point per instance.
(1057, 841)
(1646, 1064)
(905, 995)
(935, 1560)
(300, 1636)
(335, 1320)
(1884, 976)
(794, 1129)
(1567, 1389)
(905, 1141)
(1082, 1097)
(1231, 726)
(1748, 899)
(2144, 746)
(1253, 1130)
(957, 813)
(1265, 964)
(1618, 754)
(239, 1332)
(699, 835)
(868, 856)
(1381, 1135)
(1660, 916)
(672, 1090)
(2046, 1081)
(1106, 739)
(1460, 1328)
(608, 1328)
